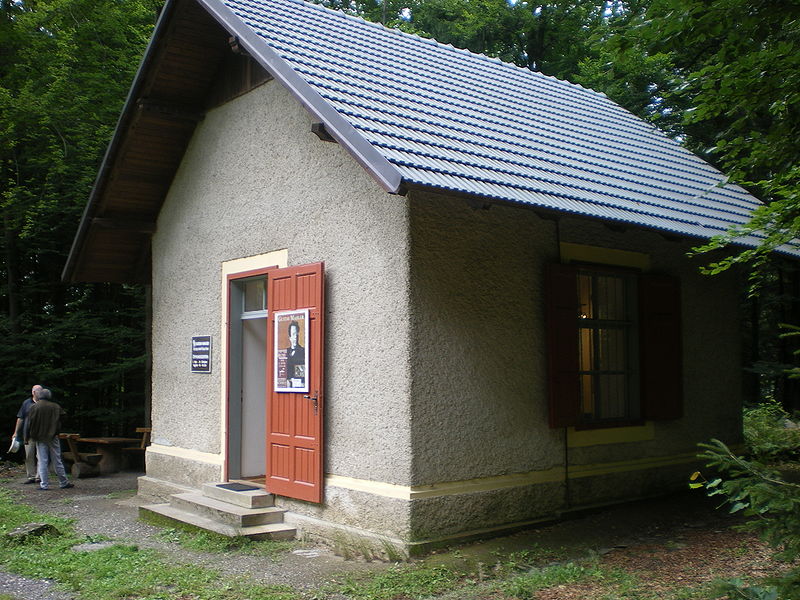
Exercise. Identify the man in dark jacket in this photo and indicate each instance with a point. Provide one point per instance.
(19, 433)
(43, 425)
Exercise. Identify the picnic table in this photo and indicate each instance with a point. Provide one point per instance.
(108, 454)
(110, 449)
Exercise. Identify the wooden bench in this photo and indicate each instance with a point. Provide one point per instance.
(84, 464)
(138, 451)
(110, 449)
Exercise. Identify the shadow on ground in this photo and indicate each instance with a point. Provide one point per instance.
(107, 506)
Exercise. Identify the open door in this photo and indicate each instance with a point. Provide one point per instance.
(294, 418)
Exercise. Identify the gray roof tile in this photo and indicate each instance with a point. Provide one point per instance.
(449, 119)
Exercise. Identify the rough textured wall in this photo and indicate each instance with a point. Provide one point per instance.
(479, 362)
(479, 402)
(255, 179)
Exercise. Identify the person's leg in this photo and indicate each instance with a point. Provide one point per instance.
(58, 464)
(43, 459)
(30, 461)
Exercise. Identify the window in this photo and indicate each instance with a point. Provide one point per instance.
(254, 297)
(607, 343)
(614, 346)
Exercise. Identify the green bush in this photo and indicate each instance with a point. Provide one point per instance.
(766, 436)
(760, 492)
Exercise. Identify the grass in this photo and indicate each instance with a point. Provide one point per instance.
(193, 538)
(118, 572)
(525, 586)
(119, 495)
(125, 572)
(402, 582)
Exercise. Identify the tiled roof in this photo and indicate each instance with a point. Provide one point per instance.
(417, 112)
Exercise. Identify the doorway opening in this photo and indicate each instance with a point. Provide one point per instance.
(247, 378)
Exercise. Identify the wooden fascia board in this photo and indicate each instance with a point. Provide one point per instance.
(145, 227)
(375, 163)
(75, 256)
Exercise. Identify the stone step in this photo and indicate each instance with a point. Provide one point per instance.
(224, 512)
(248, 498)
(270, 531)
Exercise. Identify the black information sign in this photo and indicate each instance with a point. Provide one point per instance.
(201, 354)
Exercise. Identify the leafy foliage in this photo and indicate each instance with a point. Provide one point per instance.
(766, 435)
(740, 72)
(66, 68)
(772, 503)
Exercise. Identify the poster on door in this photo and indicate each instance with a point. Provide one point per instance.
(291, 350)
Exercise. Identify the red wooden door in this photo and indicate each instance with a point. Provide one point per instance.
(294, 419)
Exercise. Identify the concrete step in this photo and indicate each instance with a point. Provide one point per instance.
(248, 498)
(224, 512)
(270, 531)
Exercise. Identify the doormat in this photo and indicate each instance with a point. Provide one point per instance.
(236, 487)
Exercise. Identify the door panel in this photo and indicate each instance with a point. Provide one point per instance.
(294, 419)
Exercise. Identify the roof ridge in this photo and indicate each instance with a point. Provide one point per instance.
(524, 71)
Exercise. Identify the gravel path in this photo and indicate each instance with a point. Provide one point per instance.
(106, 506)
(29, 589)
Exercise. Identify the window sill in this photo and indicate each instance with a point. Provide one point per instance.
(580, 438)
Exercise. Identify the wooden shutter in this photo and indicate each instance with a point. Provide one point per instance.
(561, 314)
(294, 420)
(661, 356)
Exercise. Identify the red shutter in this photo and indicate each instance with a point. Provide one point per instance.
(661, 356)
(294, 419)
(561, 314)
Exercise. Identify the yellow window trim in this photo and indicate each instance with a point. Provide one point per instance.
(613, 435)
(606, 256)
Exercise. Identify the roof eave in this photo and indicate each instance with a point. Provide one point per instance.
(375, 163)
(68, 273)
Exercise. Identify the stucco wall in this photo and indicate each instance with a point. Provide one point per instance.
(255, 179)
(479, 394)
(479, 363)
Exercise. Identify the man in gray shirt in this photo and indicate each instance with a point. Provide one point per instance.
(43, 425)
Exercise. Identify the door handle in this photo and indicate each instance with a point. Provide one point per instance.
(314, 399)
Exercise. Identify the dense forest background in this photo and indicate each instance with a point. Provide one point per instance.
(722, 76)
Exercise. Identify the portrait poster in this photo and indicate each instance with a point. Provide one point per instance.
(291, 350)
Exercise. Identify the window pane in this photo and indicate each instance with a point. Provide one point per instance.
(606, 345)
(587, 395)
(610, 298)
(612, 350)
(613, 389)
(585, 296)
(255, 295)
(586, 349)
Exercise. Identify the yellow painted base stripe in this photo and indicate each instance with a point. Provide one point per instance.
(195, 455)
(488, 484)
(378, 488)
(639, 464)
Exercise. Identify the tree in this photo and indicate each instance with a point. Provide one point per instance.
(738, 66)
(67, 66)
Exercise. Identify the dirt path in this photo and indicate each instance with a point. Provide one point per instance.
(668, 544)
